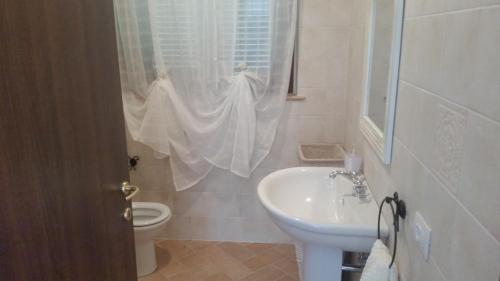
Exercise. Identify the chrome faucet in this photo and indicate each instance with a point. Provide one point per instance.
(349, 174)
(358, 180)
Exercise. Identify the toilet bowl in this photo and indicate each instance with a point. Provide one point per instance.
(149, 220)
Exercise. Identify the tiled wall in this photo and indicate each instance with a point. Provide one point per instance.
(446, 158)
(224, 206)
(355, 71)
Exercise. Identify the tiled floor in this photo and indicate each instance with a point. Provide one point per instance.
(223, 261)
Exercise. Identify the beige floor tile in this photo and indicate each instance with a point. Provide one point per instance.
(268, 273)
(235, 270)
(285, 249)
(262, 259)
(223, 261)
(155, 276)
(212, 251)
(257, 247)
(185, 276)
(287, 278)
(218, 277)
(237, 250)
(163, 257)
(177, 249)
(288, 266)
(172, 268)
(201, 266)
(199, 244)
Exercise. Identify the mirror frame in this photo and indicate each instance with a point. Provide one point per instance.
(382, 141)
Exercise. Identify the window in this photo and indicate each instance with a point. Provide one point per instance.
(253, 35)
(176, 30)
(254, 38)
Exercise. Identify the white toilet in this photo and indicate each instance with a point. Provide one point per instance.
(149, 220)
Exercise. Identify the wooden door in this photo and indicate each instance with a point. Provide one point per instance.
(62, 144)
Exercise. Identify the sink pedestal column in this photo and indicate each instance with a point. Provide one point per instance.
(322, 263)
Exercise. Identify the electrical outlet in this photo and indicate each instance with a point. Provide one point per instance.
(422, 233)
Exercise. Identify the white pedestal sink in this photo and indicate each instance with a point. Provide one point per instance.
(314, 209)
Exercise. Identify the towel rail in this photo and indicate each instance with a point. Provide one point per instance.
(398, 212)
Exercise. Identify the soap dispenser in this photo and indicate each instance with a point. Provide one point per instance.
(353, 161)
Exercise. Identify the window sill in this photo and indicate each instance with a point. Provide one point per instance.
(295, 98)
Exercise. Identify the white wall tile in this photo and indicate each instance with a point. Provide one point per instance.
(486, 98)
(461, 46)
(356, 67)
(250, 230)
(424, 7)
(425, 114)
(422, 53)
(334, 128)
(360, 12)
(438, 208)
(448, 148)
(340, 12)
(313, 44)
(475, 254)
(479, 187)
(454, 5)
(337, 73)
(251, 208)
(315, 13)
(490, 2)
(152, 177)
(250, 186)
(405, 111)
(178, 227)
(195, 204)
(338, 39)
(311, 129)
(219, 180)
(326, 13)
(313, 72)
(409, 175)
(315, 102)
(228, 204)
(155, 196)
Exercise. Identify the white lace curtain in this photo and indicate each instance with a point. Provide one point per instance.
(205, 81)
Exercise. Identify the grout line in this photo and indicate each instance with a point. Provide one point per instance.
(463, 107)
(443, 277)
(451, 12)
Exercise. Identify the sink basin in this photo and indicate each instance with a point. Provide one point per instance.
(321, 213)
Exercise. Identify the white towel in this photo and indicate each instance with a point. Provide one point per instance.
(377, 265)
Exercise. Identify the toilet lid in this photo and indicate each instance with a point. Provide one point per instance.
(148, 213)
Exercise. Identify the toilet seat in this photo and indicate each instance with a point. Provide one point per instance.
(147, 213)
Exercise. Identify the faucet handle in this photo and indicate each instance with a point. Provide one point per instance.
(360, 191)
(358, 179)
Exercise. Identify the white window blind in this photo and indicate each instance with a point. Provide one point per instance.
(174, 25)
(243, 27)
(253, 34)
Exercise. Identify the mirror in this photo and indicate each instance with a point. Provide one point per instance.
(384, 49)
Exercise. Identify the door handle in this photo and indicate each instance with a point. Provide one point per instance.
(129, 190)
(127, 214)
